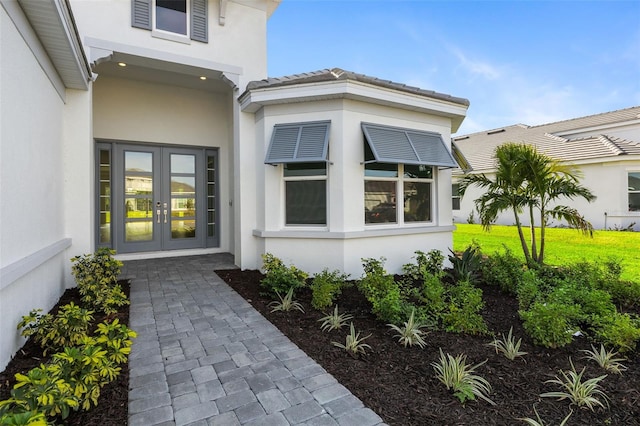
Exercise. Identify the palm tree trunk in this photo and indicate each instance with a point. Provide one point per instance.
(532, 227)
(523, 242)
(543, 226)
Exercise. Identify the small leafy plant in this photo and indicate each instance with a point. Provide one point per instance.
(326, 286)
(508, 346)
(279, 278)
(335, 320)
(466, 267)
(538, 421)
(550, 324)
(578, 392)
(354, 344)
(68, 328)
(23, 418)
(97, 277)
(286, 303)
(380, 288)
(411, 333)
(425, 262)
(605, 359)
(457, 375)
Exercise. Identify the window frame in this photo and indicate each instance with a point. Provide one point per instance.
(305, 178)
(632, 191)
(160, 33)
(455, 196)
(400, 179)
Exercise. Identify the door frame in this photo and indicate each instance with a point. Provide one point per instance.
(207, 196)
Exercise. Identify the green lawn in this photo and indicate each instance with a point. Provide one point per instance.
(563, 246)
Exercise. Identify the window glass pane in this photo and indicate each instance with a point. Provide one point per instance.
(306, 202)
(183, 185)
(455, 194)
(634, 181)
(381, 170)
(183, 163)
(379, 202)
(455, 203)
(417, 202)
(634, 202)
(418, 171)
(183, 229)
(171, 15)
(138, 161)
(305, 169)
(138, 231)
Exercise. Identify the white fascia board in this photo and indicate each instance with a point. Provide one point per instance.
(257, 98)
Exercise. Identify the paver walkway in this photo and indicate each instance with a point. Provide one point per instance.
(204, 356)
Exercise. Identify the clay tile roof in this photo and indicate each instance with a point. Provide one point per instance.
(335, 74)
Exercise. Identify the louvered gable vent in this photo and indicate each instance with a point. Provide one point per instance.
(397, 145)
(299, 143)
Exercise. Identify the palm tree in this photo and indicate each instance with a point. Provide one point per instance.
(547, 181)
(503, 193)
(528, 178)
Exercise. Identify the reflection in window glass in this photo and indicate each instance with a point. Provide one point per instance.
(104, 234)
(417, 201)
(380, 201)
(455, 196)
(171, 15)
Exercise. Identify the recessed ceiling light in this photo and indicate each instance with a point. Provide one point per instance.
(202, 77)
(122, 64)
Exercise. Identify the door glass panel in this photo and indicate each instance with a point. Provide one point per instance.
(183, 163)
(138, 161)
(183, 228)
(183, 196)
(138, 231)
(137, 208)
(211, 196)
(104, 234)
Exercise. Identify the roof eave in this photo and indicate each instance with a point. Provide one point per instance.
(52, 20)
(253, 100)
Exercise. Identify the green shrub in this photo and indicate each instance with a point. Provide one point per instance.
(464, 306)
(68, 328)
(528, 289)
(503, 270)
(41, 390)
(620, 331)
(326, 286)
(97, 278)
(550, 324)
(433, 296)
(19, 417)
(380, 288)
(425, 262)
(279, 278)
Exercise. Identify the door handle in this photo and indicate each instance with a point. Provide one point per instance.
(165, 216)
(158, 215)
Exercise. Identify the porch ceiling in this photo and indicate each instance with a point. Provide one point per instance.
(149, 70)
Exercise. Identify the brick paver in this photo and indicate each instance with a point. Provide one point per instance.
(205, 356)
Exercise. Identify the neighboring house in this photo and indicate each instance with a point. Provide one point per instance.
(149, 127)
(605, 147)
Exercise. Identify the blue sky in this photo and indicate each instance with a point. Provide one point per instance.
(529, 62)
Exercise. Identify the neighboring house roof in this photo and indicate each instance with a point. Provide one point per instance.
(340, 74)
(578, 139)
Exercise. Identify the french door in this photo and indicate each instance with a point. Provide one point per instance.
(160, 198)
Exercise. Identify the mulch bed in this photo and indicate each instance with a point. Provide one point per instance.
(399, 383)
(112, 408)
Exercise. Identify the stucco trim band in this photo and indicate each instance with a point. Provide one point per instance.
(370, 233)
(12, 272)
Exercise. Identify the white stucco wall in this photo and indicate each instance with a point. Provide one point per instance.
(240, 41)
(346, 239)
(31, 186)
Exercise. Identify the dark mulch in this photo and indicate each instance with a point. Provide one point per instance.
(112, 408)
(399, 384)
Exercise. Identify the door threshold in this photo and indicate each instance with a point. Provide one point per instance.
(167, 253)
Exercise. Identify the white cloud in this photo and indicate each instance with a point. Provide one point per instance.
(476, 67)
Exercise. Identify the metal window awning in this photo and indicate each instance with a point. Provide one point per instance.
(299, 143)
(398, 145)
